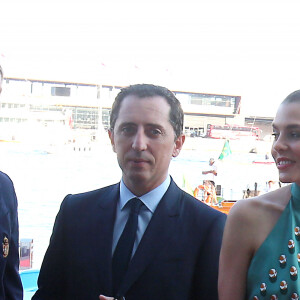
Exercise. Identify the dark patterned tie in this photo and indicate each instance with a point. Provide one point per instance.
(123, 251)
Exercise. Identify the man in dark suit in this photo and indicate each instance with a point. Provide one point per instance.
(169, 247)
(10, 283)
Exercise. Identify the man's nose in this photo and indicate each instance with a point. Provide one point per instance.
(139, 142)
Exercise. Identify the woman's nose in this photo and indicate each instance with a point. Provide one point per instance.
(280, 144)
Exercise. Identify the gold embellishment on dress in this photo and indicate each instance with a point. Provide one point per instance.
(293, 271)
(263, 287)
(282, 260)
(297, 231)
(255, 298)
(298, 257)
(274, 297)
(291, 244)
(294, 296)
(273, 274)
(283, 285)
(5, 246)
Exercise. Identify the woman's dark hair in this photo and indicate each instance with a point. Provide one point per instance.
(293, 97)
(149, 90)
(1, 74)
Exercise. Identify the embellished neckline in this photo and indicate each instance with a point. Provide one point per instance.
(295, 190)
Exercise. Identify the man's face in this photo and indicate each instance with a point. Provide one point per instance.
(144, 141)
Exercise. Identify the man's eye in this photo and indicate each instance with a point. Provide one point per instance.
(127, 129)
(155, 131)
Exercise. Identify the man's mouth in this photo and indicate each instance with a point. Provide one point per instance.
(138, 161)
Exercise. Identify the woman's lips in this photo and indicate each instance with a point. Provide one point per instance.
(284, 163)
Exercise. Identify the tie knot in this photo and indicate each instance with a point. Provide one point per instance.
(135, 205)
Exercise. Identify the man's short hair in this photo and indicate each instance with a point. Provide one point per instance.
(150, 90)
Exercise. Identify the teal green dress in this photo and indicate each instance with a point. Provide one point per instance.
(274, 272)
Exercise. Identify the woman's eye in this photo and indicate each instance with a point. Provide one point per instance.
(290, 135)
(275, 135)
(295, 134)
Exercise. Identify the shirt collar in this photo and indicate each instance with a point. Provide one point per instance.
(150, 199)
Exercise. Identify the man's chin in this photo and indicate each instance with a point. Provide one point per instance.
(138, 177)
(137, 183)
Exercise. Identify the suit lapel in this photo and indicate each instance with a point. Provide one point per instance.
(105, 227)
(156, 235)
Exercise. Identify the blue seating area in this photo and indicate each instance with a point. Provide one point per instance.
(29, 281)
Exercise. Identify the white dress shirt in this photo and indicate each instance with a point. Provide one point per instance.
(150, 201)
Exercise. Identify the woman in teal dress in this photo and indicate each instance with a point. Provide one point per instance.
(260, 255)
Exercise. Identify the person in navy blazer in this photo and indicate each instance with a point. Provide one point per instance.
(178, 241)
(10, 282)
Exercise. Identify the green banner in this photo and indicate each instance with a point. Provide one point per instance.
(226, 150)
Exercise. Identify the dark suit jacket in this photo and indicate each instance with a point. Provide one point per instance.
(10, 282)
(177, 257)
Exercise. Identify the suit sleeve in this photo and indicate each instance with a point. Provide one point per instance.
(205, 285)
(11, 279)
(51, 278)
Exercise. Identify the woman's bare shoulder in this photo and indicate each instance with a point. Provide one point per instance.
(250, 208)
(258, 215)
(248, 224)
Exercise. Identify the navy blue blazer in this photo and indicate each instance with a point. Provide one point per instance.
(10, 282)
(177, 257)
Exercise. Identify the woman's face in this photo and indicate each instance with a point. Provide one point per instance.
(286, 145)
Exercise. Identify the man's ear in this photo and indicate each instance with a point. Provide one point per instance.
(112, 140)
(178, 145)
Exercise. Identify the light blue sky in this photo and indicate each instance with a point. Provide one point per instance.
(247, 48)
